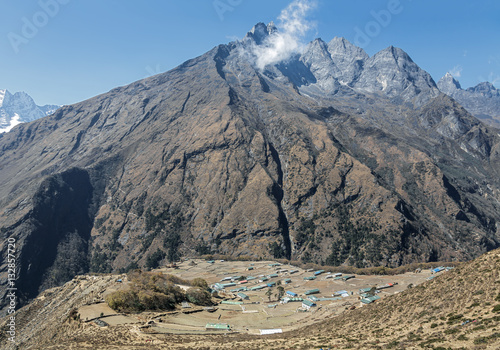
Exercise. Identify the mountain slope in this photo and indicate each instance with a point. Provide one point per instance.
(458, 309)
(482, 100)
(20, 108)
(372, 168)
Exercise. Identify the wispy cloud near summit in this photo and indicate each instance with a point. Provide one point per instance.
(281, 45)
(456, 71)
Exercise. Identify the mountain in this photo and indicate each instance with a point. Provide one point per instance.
(20, 108)
(329, 156)
(482, 100)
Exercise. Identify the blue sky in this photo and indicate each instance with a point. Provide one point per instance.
(65, 51)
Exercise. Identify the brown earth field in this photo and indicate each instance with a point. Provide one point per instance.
(455, 309)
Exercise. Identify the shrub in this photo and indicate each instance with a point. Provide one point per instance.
(451, 331)
(454, 318)
(200, 283)
(123, 301)
(156, 291)
(131, 301)
(73, 314)
(199, 296)
(156, 301)
(149, 291)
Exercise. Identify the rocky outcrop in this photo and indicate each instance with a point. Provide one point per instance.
(394, 73)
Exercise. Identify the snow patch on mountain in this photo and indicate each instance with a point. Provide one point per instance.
(13, 122)
(2, 96)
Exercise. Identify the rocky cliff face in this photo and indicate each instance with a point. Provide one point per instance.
(482, 100)
(330, 157)
(342, 68)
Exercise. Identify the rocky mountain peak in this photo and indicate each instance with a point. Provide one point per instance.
(341, 49)
(18, 108)
(341, 67)
(392, 72)
(317, 46)
(261, 31)
(482, 100)
(448, 84)
(486, 88)
(396, 54)
(322, 70)
(271, 27)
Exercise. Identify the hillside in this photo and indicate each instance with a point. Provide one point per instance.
(458, 309)
(332, 157)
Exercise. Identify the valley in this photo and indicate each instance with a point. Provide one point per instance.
(455, 308)
(261, 309)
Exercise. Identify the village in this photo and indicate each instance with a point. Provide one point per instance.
(262, 297)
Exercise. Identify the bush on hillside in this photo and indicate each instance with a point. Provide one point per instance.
(199, 296)
(200, 283)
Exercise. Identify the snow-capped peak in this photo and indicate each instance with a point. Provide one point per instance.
(448, 84)
(20, 108)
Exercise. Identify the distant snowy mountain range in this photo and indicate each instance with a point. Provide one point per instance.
(20, 108)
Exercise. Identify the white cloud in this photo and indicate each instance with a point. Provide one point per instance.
(232, 37)
(493, 78)
(281, 45)
(456, 71)
(494, 59)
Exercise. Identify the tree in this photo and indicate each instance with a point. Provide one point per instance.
(277, 250)
(153, 260)
(172, 242)
(281, 292)
(203, 249)
(200, 283)
(269, 293)
(199, 296)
